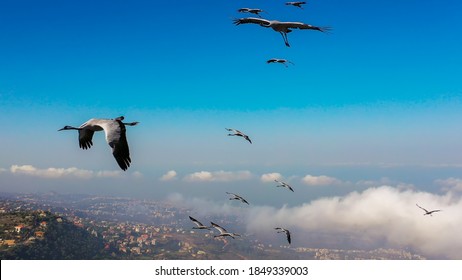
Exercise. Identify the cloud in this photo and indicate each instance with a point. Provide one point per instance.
(322, 180)
(108, 173)
(3, 170)
(169, 176)
(378, 217)
(450, 184)
(53, 172)
(137, 174)
(382, 216)
(218, 176)
(270, 177)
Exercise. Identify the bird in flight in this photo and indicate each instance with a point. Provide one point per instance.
(198, 224)
(284, 185)
(426, 211)
(223, 232)
(280, 60)
(286, 231)
(237, 197)
(251, 11)
(238, 133)
(296, 4)
(116, 138)
(283, 27)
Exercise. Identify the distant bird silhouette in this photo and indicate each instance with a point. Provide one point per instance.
(296, 4)
(237, 197)
(426, 211)
(280, 60)
(284, 185)
(251, 11)
(286, 231)
(199, 225)
(283, 27)
(224, 232)
(238, 133)
(115, 136)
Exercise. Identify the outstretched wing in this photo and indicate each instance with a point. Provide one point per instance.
(116, 138)
(426, 211)
(301, 25)
(247, 138)
(219, 228)
(85, 138)
(288, 236)
(233, 194)
(290, 188)
(196, 221)
(261, 21)
(243, 200)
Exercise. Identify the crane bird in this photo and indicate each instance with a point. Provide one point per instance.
(224, 232)
(280, 60)
(283, 27)
(286, 231)
(115, 136)
(426, 211)
(284, 185)
(296, 4)
(237, 197)
(198, 224)
(251, 11)
(238, 133)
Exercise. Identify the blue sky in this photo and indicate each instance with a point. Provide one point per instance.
(375, 102)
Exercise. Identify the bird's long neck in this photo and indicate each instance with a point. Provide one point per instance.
(68, 127)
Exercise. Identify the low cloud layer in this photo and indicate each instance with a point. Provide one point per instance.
(218, 176)
(169, 176)
(382, 216)
(270, 177)
(322, 180)
(54, 173)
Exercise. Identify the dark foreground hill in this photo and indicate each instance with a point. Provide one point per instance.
(43, 236)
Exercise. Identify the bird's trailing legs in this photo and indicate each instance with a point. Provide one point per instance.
(284, 37)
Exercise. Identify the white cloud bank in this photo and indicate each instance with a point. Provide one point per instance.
(169, 176)
(450, 184)
(53, 173)
(270, 177)
(322, 180)
(218, 176)
(382, 216)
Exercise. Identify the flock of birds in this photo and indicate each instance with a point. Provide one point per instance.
(115, 129)
(116, 137)
(283, 27)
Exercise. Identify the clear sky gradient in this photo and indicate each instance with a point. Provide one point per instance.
(376, 102)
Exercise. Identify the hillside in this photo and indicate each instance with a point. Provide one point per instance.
(43, 236)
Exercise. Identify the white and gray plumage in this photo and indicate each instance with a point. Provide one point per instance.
(280, 60)
(296, 4)
(286, 231)
(198, 224)
(238, 133)
(426, 211)
(115, 136)
(283, 27)
(251, 11)
(284, 185)
(224, 232)
(237, 197)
